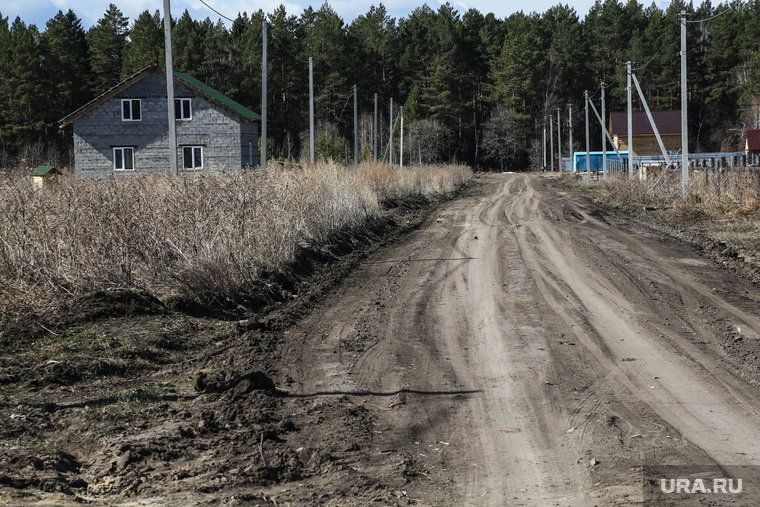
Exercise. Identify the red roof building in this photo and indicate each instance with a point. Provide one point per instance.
(753, 140)
(644, 141)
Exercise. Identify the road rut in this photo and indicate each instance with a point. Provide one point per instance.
(525, 347)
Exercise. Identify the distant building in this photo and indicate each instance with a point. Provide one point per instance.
(126, 130)
(644, 140)
(44, 174)
(752, 147)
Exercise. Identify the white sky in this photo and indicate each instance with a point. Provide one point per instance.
(38, 12)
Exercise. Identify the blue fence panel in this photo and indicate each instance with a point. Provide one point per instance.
(595, 159)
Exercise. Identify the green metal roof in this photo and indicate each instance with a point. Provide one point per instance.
(180, 78)
(45, 169)
(216, 95)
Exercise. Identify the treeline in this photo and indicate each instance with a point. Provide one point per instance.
(475, 88)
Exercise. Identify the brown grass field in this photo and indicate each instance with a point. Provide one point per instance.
(204, 238)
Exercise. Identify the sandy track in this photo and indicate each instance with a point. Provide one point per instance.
(520, 335)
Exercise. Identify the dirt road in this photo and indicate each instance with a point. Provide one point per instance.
(524, 348)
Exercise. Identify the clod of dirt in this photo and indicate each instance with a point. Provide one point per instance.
(253, 381)
(218, 382)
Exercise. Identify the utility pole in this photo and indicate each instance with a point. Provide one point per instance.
(356, 129)
(264, 96)
(630, 123)
(588, 152)
(684, 107)
(559, 142)
(401, 142)
(311, 109)
(374, 132)
(390, 139)
(604, 141)
(174, 168)
(551, 139)
(570, 132)
(543, 146)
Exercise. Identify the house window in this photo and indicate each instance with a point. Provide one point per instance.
(124, 159)
(192, 157)
(130, 110)
(183, 109)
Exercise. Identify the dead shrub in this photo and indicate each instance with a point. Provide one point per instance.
(204, 237)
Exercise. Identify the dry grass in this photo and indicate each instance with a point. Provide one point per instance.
(209, 238)
(723, 205)
(715, 194)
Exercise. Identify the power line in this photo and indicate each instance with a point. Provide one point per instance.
(234, 22)
(346, 104)
(707, 19)
(222, 15)
(650, 60)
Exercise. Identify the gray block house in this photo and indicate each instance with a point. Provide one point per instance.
(125, 130)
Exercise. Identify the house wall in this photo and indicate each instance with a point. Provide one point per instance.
(249, 144)
(647, 145)
(219, 132)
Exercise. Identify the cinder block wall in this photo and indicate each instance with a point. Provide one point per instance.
(224, 136)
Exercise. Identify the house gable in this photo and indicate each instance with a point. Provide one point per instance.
(753, 140)
(644, 140)
(668, 122)
(220, 135)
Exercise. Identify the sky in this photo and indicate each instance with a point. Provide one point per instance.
(38, 12)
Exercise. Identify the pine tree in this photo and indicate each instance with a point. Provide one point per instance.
(24, 117)
(373, 42)
(67, 70)
(5, 58)
(146, 43)
(288, 80)
(216, 66)
(325, 37)
(187, 44)
(107, 41)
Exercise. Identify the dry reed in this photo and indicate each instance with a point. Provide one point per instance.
(713, 194)
(208, 238)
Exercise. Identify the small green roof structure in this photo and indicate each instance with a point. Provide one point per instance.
(45, 170)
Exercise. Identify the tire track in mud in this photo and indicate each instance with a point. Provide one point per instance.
(531, 350)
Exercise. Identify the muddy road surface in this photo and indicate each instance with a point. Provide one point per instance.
(523, 346)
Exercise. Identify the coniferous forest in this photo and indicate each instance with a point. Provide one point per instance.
(475, 89)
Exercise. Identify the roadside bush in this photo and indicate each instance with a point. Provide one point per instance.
(713, 193)
(208, 238)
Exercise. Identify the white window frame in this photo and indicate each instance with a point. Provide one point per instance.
(181, 101)
(130, 116)
(119, 154)
(193, 154)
